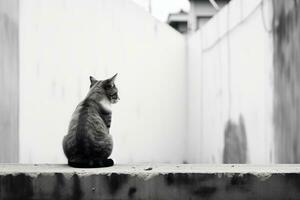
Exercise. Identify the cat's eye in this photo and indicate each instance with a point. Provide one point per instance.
(109, 86)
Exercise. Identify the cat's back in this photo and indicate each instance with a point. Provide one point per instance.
(86, 128)
(69, 140)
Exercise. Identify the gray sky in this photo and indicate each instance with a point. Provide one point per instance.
(161, 8)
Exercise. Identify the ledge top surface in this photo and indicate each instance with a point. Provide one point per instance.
(152, 168)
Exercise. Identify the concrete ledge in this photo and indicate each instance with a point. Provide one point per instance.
(150, 182)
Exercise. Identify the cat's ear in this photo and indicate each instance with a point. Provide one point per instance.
(112, 79)
(93, 81)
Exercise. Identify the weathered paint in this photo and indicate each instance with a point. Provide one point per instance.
(9, 80)
(167, 182)
(286, 31)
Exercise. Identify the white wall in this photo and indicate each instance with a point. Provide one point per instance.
(230, 73)
(62, 42)
(176, 95)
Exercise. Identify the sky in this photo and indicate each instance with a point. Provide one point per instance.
(161, 8)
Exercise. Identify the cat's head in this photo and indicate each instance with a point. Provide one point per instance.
(108, 86)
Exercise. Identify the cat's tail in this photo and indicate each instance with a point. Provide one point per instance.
(93, 164)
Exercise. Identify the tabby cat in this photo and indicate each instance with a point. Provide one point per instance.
(88, 143)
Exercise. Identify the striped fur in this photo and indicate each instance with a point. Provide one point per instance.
(88, 142)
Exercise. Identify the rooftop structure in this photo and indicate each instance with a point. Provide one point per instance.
(179, 21)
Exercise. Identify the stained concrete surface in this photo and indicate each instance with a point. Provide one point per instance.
(235, 142)
(9, 80)
(286, 34)
(150, 182)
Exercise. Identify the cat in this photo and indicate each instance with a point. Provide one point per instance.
(88, 143)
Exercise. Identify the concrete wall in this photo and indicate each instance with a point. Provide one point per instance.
(286, 26)
(9, 80)
(208, 99)
(62, 43)
(232, 55)
(163, 182)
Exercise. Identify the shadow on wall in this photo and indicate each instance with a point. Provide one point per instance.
(235, 142)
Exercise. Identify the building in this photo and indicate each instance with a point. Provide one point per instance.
(200, 12)
(179, 21)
